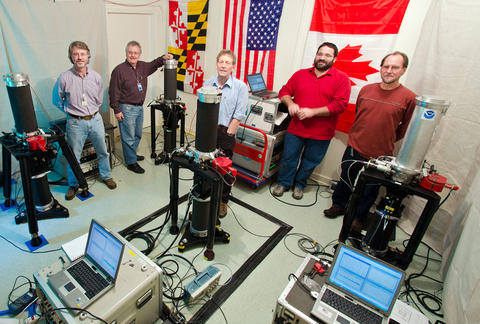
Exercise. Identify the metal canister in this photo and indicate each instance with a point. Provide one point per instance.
(421, 129)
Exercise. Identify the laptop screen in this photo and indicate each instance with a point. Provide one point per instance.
(104, 249)
(367, 278)
(256, 83)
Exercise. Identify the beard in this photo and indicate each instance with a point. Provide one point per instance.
(325, 67)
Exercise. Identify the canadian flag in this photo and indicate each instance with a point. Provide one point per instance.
(364, 32)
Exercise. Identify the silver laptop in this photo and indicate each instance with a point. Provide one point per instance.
(93, 274)
(359, 289)
(258, 87)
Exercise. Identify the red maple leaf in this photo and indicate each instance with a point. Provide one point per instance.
(357, 70)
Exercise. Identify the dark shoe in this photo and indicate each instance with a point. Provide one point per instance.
(357, 226)
(334, 211)
(278, 190)
(110, 183)
(140, 158)
(297, 193)
(223, 210)
(71, 192)
(135, 168)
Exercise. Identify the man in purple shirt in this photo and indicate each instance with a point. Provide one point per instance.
(79, 93)
(128, 87)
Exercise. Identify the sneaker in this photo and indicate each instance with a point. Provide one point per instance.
(110, 183)
(297, 193)
(71, 192)
(334, 211)
(223, 210)
(278, 190)
(135, 168)
(140, 158)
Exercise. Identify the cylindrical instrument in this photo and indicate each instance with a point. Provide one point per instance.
(208, 105)
(419, 134)
(170, 80)
(18, 89)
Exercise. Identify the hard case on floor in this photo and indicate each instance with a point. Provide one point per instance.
(294, 304)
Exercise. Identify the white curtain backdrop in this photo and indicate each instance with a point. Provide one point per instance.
(445, 64)
(35, 38)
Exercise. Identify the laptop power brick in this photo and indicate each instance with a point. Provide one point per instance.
(203, 283)
(22, 302)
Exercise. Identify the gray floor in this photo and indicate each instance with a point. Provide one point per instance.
(139, 195)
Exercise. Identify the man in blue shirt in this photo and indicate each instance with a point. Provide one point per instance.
(79, 93)
(232, 111)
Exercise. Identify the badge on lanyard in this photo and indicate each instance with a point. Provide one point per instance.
(139, 85)
(84, 100)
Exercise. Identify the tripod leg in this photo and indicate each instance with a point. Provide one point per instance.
(7, 173)
(29, 204)
(72, 161)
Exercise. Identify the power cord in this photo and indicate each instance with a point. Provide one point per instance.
(244, 228)
(424, 298)
(24, 250)
(317, 192)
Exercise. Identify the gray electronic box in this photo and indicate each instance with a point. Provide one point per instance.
(135, 298)
(263, 114)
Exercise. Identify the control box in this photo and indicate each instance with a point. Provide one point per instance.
(250, 151)
(203, 283)
(294, 304)
(135, 298)
(265, 115)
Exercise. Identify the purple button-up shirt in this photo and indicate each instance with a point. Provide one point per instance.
(76, 95)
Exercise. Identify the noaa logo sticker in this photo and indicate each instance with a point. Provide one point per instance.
(428, 114)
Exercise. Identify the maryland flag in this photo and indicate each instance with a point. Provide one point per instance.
(364, 32)
(187, 36)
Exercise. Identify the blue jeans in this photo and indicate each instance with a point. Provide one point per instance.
(314, 151)
(131, 131)
(78, 131)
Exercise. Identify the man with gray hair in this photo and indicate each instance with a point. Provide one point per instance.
(233, 107)
(128, 87)
(79, 93)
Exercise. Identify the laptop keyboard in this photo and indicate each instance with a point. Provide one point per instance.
(90, 280)
(354, 311)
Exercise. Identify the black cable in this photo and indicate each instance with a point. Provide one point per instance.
(77, 309)
(23, 250)
(300, 283)
(244, 228)
(298, 205)
(424, 298)
(315, 248)
(219, 308)
(15, 287)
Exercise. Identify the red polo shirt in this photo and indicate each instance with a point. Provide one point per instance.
(332, 90)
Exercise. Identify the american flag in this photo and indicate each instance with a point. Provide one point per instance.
(250, 31)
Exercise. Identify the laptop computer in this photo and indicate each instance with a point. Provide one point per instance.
(359, 289)
(258, 87)
(93, 274)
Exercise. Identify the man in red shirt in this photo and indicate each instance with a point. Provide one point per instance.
(314, 97)
(383, 111)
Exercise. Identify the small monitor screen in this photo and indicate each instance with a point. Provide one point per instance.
(256, 83)
(366, 278)
(104, 248)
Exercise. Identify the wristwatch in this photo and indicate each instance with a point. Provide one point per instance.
(230, 135)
